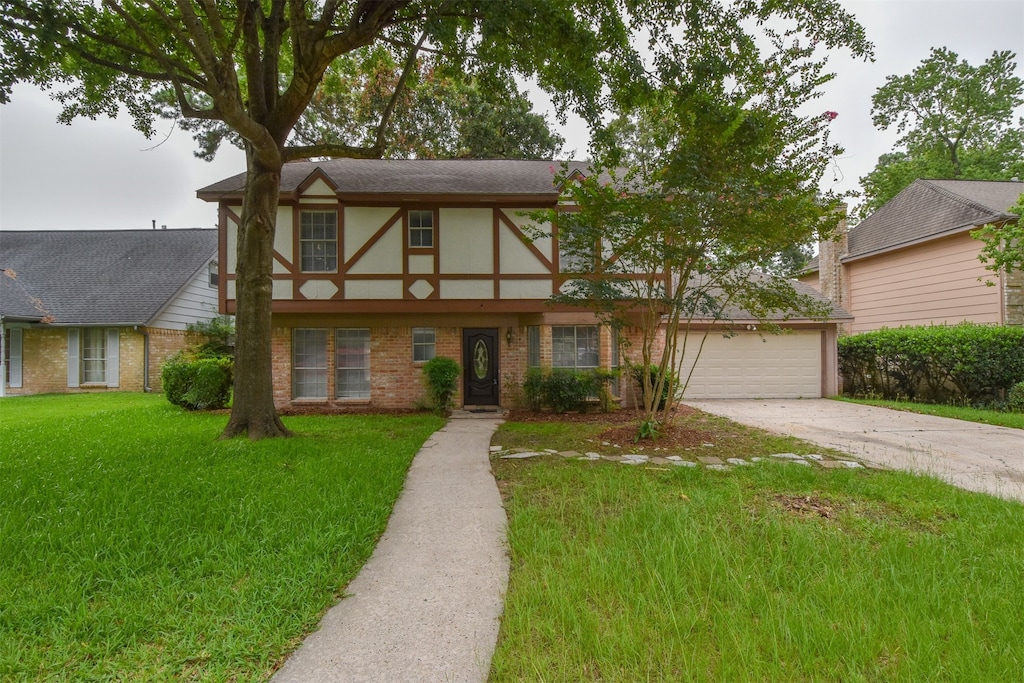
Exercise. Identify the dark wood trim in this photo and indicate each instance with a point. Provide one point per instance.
(307, 182)
(222, 261)
(374, 238)
(510, 224)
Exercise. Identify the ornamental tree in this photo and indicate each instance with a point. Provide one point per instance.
(701, 183)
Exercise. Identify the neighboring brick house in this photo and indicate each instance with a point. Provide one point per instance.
(381, 265)
(914, 262)
(100, 310)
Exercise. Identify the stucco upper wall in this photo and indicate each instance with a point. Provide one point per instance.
(932, 283)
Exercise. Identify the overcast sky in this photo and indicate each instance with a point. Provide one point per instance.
(105, 175)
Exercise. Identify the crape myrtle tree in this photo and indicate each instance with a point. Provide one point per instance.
(1003, 249)
(707, 177)
(253, 68)
(956, 121)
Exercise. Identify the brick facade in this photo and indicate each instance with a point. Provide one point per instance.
(45, 360)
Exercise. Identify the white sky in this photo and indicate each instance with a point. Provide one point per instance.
(105, 175)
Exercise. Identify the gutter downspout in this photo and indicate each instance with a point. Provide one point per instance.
(3, 359)
(145, 359)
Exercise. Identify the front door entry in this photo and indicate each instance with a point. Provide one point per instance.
(480, 366)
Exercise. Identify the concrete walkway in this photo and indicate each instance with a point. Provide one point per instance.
(972, 456)
(426, 606)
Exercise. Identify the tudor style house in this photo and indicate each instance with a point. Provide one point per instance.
(914, 262)
(88, 311)
(381, 265)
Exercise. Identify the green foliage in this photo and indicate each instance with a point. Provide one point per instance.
(562, 390)
(648, 429)
(218, 337)
(1015, 398)
(197, 383)
(442, 375)
(965, 362)
(668, 387)
(957, 121)
(1003, 249)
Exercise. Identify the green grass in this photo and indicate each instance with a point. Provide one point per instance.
(136, 546)
(990, 417)
(669, 574)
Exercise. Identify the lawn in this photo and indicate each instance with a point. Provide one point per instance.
(990, 417)
(771, 572)
(136, 546)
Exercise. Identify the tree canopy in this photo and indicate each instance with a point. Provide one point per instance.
(256, 67)
(956, 121)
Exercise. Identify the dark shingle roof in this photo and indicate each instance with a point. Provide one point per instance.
(102, 277)
(933, 208)
(15, 301)
(416, 177)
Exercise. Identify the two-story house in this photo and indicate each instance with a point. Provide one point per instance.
(381, 265)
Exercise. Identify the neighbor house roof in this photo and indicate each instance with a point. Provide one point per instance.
(480, 177)
(101, 277)
(928, 209)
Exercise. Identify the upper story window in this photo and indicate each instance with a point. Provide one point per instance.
(214, 274)
(318, 240)
(421, 229)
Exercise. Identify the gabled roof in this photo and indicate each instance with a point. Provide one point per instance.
(928, 209)
(15, 301)
(102, 277)
(417, 177)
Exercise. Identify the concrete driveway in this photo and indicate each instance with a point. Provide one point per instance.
(972, 456)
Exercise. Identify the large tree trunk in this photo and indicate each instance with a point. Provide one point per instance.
(253, 412)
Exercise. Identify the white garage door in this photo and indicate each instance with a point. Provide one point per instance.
(753, 366)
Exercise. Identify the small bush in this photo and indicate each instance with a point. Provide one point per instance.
(197, 383)
(442, 375)
(1015, 399)
(671, 381)
(218, 335)
(533, 389)
(565, 390)
(561, 390)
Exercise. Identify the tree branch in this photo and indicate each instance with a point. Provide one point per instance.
(410, 64)
(332, 150)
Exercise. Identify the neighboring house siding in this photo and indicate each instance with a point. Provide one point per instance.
(933, 283)
(196, 302)
(811, 279)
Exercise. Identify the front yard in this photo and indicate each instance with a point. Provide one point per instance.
(765, 572)
(136, 546)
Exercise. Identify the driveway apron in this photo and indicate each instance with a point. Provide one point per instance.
(972, 456)
(426, 606)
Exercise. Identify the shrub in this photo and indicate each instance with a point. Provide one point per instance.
(941, 363)
(442, 376)
(561, 390)
(565, 390)
(1015, 399)
(218, 337)
(197, 383)
(533, 389)
(671, 381)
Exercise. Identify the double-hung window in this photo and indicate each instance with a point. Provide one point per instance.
(421, 229)
(93, 356)
(318, 241)
(424, 344)
(577, 347)
(352, 363)
(309, 363)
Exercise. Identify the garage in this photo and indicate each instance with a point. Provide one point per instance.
(751, 365)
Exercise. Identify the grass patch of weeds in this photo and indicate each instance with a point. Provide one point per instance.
(765, 573)
(138, 546)
(990, 417)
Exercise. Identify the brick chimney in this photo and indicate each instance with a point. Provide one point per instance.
(831, 278)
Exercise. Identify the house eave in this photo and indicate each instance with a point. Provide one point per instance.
(960, 229)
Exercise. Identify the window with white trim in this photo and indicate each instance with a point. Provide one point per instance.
(424, 344)
(93, 356)
(309, 363)
(352, 363)
(318, 241)
(576, 347)
(421, 229)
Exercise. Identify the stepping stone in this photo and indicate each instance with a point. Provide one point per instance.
(815, 457)
(756, 459)
(636, 456)
(799, 462)
(719, 468)
(787, 456)
(520, 455)
(550, 451)
(673, 457)
(612, 458)
(683, 463)
(496, 449)
(708, 445)
(659, 461)
(592, 456)
(738, 461)
(832, 465)
(850, 464)
(569, 454)
(710, 460)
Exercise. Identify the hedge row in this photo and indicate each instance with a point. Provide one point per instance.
(964, 362)
(197, 383)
